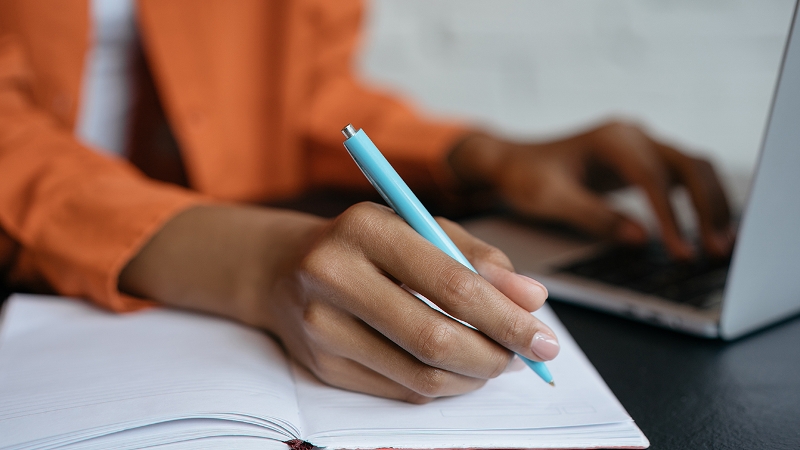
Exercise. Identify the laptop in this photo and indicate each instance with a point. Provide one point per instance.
(758, 286)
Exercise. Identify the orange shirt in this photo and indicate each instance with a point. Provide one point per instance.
(255, 91)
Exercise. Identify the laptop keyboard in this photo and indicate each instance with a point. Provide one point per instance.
(649, 270)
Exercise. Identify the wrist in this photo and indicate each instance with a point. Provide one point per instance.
(223, 260)
(271, 287)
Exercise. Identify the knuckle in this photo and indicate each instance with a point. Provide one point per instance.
(494, 255)
(435, 343)
(460, 286)
(694, 171)
(513, 331)
(322, 278)
(317, 329)
(317, 266)
(313, 318)
(360, 210)
(619, 137)
(621, 126)
(360, 219)
(366, 227)
(502, 363)
(429, 382)
(703, 166)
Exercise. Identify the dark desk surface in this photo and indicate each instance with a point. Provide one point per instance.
(692, 393)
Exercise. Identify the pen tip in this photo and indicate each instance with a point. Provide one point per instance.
(552, 383)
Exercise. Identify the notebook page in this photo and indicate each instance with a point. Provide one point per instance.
(618, 435)
(513, 401)
(190, 434)
(70, 372)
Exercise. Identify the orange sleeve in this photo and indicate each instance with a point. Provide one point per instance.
(414, 144)
(76, 216)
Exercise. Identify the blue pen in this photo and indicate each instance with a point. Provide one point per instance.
(398, 196)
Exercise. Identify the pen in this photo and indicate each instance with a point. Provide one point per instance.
(400, 198)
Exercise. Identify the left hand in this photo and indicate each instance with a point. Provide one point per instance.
(561, 180)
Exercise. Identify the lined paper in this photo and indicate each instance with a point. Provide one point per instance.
(516, 400)
(73, 376)
(86, 373)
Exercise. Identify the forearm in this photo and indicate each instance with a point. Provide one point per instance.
(220, 259)
(70, 217)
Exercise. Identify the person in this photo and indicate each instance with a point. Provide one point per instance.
(255, 94)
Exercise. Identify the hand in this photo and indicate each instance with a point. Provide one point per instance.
(561, 180)
(331, 292)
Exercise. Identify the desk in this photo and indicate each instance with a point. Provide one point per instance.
(692, 393)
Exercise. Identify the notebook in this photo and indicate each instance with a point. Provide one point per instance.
(725, 299)
(74, 376)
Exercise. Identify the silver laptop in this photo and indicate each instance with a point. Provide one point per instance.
(758, 286)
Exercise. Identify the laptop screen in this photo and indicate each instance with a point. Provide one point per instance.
(763, 283)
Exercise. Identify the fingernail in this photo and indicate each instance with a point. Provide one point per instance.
(544, 346)
(533, 282)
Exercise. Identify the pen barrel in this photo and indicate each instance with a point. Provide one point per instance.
(398, 196)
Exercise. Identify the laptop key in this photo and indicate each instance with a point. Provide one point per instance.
(649, 270)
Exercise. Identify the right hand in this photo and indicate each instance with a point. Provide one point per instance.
(342, 313)
(331, 292)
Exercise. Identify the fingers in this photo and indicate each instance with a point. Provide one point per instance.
(377, 364)
(433, 338)
(576, 205)
(467, 296)
(379, 243)
(627, 148)
(495, 267)
(390, 245)
(350, 375)
(550, 187)
(551, 180)
(708, 198)
(462, 294)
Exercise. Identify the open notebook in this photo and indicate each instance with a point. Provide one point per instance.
(77, 377)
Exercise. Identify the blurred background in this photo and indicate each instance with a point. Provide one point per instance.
(697, 73)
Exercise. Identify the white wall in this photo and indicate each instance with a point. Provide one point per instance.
(698, 72)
